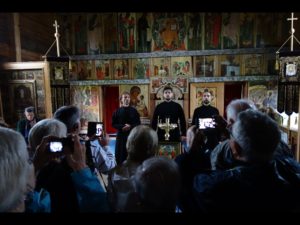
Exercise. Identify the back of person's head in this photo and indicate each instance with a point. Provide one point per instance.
(70, 116)
(142, 143)
(257, 135)
(157, 182)
(14, 169)
(236, 106)
(44, 128)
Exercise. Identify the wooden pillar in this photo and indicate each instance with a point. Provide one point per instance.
(17, 36)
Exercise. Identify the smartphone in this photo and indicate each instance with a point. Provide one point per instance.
(55, 146)
(206, 123)
(95, 128)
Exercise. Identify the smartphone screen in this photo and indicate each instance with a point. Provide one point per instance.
(99, 129)
(95, 128)
(206, 123)
(55, 146)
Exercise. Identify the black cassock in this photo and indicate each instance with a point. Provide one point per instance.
(173, 111)
(120, 117)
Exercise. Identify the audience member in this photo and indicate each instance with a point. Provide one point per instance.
(258, 184)
(142, 143)
(24, 125)
(14, 171)
(190, 163)
(64, 174)
(222, 156)
(99, 155)
(157, 182)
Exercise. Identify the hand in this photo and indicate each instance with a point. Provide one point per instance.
(41, 155)
(104, 141)
(220, 121)
(77, 159)
(183, 138)
(126, 127)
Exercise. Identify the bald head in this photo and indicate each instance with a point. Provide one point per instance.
(237, 106)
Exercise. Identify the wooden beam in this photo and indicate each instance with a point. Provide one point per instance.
(17, 37)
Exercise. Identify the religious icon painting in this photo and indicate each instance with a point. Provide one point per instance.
(30, 75)
(58, 73)
(126, 31)
(161, 67)
(205, 66)
(80, 29)
(95, 34)
(141, 68)
(216, 90)
(168, 32)
(290, 69)
(110, 33)
(169, 149)
(103, 69)
(181, 66)
(213, 22)
(73, 75)
(121, 69)
(253, 64)
(82, 70)
(230, 28)
(139, 97)
(246, 30)
(90, 69)
(144, 35)
(257, 93)
(87, 99)
(229, 65)
(194, 30)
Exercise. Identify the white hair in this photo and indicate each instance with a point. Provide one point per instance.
(44, 128)
(238, 105)
(142, 143)
(14, 169)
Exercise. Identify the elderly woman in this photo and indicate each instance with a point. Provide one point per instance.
(142, 144)
(15, 171)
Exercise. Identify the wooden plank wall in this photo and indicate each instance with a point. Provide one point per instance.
(36, 34)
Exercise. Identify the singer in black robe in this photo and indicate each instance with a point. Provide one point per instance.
(174, 111)
(122, 116)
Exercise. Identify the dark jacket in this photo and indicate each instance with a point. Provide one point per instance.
(272, 187)
(221, 157)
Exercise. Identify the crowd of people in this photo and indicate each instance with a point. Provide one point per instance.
(238, 164)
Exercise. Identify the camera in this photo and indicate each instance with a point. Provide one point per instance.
(205, 123)
(59, 145)
(95, 128)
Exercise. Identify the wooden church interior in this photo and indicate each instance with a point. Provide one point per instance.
(48, 60)
(104, 54)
